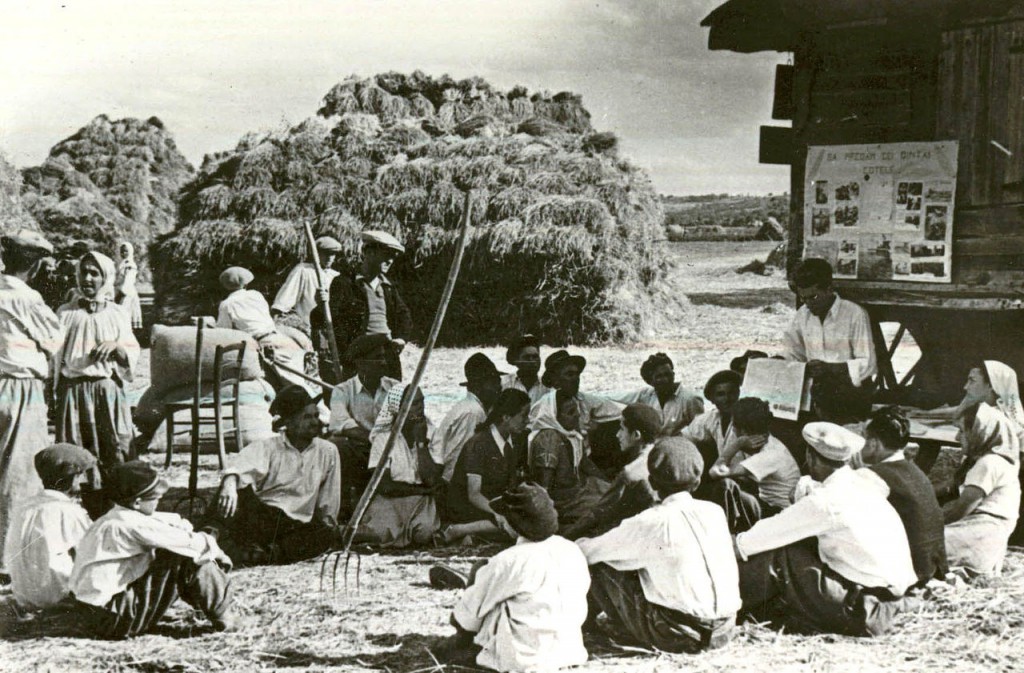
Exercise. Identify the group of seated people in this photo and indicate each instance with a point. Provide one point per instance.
(643, 514)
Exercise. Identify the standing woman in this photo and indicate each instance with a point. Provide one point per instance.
(99, 355)
(127, 295)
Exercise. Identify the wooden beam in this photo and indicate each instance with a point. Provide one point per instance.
(776, 145)
(782, 103)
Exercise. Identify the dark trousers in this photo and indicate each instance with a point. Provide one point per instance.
(260, 534)
(742, 508)
(141, 605)
(621, 596)
(793, 588)
(353, 455)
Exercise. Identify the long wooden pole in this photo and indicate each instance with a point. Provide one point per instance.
(403, 412)
(302, 375)
(332, 343)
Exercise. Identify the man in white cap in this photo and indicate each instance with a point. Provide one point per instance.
(299, 294)
(838, 559)
(367, 302)
(30, 334)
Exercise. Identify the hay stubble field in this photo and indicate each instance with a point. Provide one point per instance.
(393, 619)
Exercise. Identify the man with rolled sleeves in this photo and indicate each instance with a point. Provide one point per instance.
(367, 302)
(298, 296)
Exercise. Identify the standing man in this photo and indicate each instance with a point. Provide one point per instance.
(368, 303)
(30, 334)
(298, 296)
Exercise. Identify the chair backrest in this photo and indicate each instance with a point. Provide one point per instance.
(197, 395)
(225, 369)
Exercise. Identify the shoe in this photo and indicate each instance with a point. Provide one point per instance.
(443, 577)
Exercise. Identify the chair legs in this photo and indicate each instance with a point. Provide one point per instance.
(169, 422)
(218, 424)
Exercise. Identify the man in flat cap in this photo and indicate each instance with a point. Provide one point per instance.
(355, 405)
(30, 334)
(524, 609)
(483, 385)
(838, 559)
(299, 295)
(667, 577)
(367, 302)
(46, 528)
(278, 501)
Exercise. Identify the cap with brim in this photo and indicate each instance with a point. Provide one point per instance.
(28, 239)
(291, 400)
(559, 359)
(606, 412)
(364, 346)
(235, 277)
(675, 464)
(529, 510)
(134, 479)
(61, 462)
(832, 441)
(479, 366)
(328, 244)
(383, 239)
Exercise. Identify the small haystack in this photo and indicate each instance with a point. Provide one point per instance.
(770, 230)
(565, 230)
(111, 180)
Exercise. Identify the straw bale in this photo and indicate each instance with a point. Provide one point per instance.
(13, 214)
(358, 123)
(540, 126)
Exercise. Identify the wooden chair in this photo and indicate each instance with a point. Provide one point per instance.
(227, 368)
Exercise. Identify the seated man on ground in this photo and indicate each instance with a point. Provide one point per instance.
(630, 492)
(558, 460)
(757, 460)
(837, 560)
(667, 578)
(908, 490)
(712, 430)
(982, 516)
(524, 609)
(562, 373)
(46, 528)
(278, 501)
(676, 405)
(524, 354)
(483, 383)
(404, 509)
(134, 562)
(355, 404)
(490, 464)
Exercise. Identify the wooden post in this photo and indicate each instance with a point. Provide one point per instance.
(332, 343)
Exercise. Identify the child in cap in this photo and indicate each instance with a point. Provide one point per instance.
(45, 529)
(134, 562)
(524, 610)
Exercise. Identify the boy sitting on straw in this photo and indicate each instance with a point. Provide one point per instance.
(524, 609)
(134, 562)
(279, 499)
(667, 577)
(45, 529)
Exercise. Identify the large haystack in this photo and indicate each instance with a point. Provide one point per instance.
(565, 230)
(13, 215)
(111, 180)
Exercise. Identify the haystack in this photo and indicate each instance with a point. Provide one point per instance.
(13, 214)
(111, 180)
(564, 238)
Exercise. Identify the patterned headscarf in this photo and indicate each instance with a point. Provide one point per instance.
(1004, 384)
(544, 416)
(107, 269)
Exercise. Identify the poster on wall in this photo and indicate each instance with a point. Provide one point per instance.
(882, 212)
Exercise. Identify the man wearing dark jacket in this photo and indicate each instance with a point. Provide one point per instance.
(366, 302)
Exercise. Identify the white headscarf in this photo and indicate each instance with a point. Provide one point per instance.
(1004, 384)
(992, 432)
(107, 268)
(544, 416)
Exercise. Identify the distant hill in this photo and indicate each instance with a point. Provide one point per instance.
(715, 217)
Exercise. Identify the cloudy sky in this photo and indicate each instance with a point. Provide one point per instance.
(214, 70)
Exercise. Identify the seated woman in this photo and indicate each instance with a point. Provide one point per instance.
(712, 429)
(676, 405)
(980, 520)
(404, 511)
(488, 465)
(558, 458)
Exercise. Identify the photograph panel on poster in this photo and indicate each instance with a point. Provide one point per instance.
(934, 269)
(821, 192)
(939, 192)
(875, 257)
(935, 219)
(821, 222)
(846, 268)
(847, 216)
(928, 250)
(825, 249)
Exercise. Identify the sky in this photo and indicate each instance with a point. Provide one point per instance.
(213, 71)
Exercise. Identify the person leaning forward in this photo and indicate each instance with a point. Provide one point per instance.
(367, 302)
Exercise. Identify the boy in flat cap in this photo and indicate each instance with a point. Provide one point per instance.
(134, 562)
(46, 528)
(298, 296)
(355, 404)
(524, 354)
(278, 501)
(838, 559)
(483, 384)
(667, 577)
(524, 609)
(30, 333)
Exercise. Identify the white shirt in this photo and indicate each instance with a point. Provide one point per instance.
(684, 553)
(298, 293)
(776, 473)
(511, 382)
(352, 405)
(998, 480)
(403, 461)
(707, 427)
(302, 484)
(844, 336)
(679, 410)
(42, 532)
(84, 331)
(120, 546)
(860, 535)
(527, 607)
(30, 333)
(246, 311)
(458, 425)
